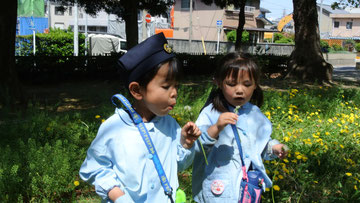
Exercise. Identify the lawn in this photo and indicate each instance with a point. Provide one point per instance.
(43, 147)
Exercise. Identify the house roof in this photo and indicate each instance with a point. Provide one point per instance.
(332, 11)
(345, 15)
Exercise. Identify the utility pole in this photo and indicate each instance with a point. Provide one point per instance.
(190, 25)
(320, 14)
(76, 30)
(86, 33)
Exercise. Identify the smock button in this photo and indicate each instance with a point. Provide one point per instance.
(150, 156)
(152, 186)
(246, 156)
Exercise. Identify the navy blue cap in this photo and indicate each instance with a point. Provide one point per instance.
(145, 56)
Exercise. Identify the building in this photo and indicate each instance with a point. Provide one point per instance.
(206, 20)
(326, 21)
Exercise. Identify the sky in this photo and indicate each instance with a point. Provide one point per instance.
(279, 7)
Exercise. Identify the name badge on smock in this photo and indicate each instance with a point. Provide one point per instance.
(217, 187)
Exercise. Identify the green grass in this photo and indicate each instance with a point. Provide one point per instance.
(42, 148)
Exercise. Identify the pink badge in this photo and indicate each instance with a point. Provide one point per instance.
(217, 187)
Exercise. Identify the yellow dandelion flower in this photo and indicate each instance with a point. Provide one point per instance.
(355, 187)
(97, 116)
(276, 187)
(76, 183)
(286, 160)
(316, 182)
(102, 120)
(342, 146)
(348, 174)
(267, 189)
(299, 157)
(327, 133)
(330, 120)
(281, 177)
(286, 139)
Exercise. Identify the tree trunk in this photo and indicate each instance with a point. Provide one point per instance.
(131, 23)
(306, 61)
(241, 24)
(10, 88)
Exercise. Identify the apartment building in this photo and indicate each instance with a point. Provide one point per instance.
(205, 20)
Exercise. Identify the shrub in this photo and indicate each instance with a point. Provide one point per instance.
(357, 47)
(324, 45)
(55, 43)
(280, 38)
(231, 36)
(337, 47)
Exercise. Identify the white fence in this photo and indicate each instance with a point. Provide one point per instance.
(182, 46)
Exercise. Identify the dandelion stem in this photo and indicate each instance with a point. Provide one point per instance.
(202, 148)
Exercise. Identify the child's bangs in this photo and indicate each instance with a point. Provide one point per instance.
(174, 73)
(234, 69)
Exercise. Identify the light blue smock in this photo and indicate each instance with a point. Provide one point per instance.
(223, 153)
(119, 157)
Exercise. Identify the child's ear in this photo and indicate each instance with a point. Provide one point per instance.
(135, 90)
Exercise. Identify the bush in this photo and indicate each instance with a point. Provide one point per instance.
(357, 47)
(280, 38)
(55, 43)
(349, 45)
(231, 36)
(337, 47)
(324, 45)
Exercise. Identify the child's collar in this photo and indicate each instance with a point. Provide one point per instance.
(245, 106)
(126, 117)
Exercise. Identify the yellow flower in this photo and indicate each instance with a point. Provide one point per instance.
(267, 189)
(281, 177)
(298, 156)
(286, 139)
(327, 133)
(76, 183)
(348, 174)
(330, 120)
(276, 187)
(97, 116)
(316, 182)
(355, 187)
(342, 146)
(48, 129)
(102, 120)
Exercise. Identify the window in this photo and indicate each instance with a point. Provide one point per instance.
(185, 4)
(59, 25)
(336, 24)
(59, 11)
(349, 25)
(70, 11)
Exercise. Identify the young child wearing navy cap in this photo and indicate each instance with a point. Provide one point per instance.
(123, 163)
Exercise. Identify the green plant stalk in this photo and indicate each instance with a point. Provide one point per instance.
(202, 149)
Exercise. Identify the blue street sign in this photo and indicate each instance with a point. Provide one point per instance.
(219, 22)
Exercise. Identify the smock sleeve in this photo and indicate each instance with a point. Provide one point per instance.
(98, 168)
(185, 157)
(268, 153)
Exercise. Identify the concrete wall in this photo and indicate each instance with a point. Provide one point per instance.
(341, 59)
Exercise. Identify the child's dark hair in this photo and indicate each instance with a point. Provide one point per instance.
(174, 74)
(232, 63)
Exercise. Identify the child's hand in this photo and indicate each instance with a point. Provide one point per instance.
(189, 133)
(223, 120)
(280, 150)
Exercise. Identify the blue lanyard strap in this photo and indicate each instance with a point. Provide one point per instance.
(148, 142)
(238, 142)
